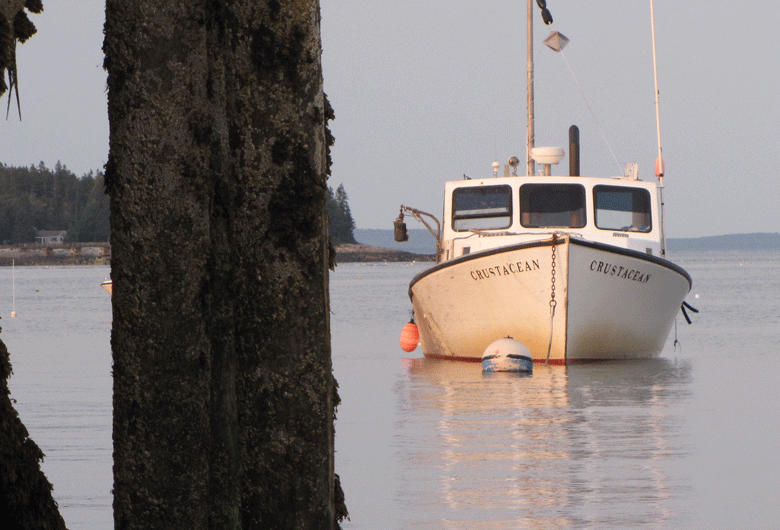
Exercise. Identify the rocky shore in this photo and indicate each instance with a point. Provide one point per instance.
(368, 254)
(344, 254)
(49, 257)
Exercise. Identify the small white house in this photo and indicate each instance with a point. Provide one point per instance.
(49, 237)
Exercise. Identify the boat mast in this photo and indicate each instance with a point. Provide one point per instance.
(530, 90)
(659, 162)
(547, 18)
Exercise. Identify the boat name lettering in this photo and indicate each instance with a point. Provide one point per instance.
(505, 270)
(619, 272)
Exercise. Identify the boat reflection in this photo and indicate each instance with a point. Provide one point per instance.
(567, 446)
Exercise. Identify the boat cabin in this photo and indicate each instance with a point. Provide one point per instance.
(490, 213)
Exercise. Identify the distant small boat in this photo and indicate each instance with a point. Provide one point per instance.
(107, 286)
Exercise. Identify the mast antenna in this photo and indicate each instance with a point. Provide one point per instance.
(530, 90)
(659, 162)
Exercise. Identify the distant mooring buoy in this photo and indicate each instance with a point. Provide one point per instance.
(13, 288)
(507, 355)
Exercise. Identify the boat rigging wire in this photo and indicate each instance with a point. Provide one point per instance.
(593, 114)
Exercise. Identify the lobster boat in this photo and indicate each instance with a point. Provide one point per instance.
(574, 267)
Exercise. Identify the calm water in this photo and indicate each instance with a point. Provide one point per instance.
(686, 441)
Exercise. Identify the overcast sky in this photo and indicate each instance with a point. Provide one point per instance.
(428, 91)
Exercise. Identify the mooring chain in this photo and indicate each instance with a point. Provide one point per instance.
(553, 303)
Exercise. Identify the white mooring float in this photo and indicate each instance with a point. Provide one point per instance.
(507, 355)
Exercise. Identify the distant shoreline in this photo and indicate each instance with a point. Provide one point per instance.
(383, 253)
(348, 253)
(368, 254)
(56, 260)
(752, 241)
(422, 242)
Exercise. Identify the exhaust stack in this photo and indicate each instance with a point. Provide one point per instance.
(574, 151)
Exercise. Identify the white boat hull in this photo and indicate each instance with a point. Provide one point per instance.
(610, 303)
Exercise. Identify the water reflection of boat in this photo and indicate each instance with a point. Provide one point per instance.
(107, 285)
(564, 448)
(505, 243)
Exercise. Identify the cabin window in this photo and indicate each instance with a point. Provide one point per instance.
(552, 205)
(481, 208)
(622, 208)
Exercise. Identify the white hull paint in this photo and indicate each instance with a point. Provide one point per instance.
(611, 303)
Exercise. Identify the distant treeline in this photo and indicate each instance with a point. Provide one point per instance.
(754, 241)
(420, 240)
(38, 198)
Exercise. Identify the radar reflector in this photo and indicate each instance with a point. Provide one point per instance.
(556, 41)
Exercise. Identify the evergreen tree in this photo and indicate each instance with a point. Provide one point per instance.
(341, 227)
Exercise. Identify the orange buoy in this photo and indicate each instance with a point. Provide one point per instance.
(410, 336)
